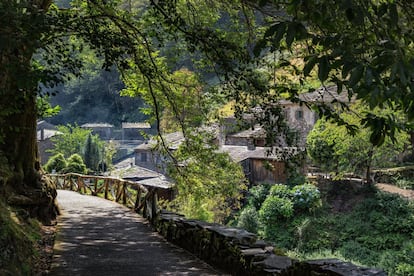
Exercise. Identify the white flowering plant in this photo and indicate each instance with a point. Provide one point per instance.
(305, 197)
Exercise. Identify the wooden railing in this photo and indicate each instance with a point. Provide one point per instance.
(131, 194)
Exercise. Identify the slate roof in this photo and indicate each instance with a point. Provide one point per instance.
(97, 125)
(325, 94)
(173, 140)
(47, 133)
(45, 125)
(159, 182)
(240, 153)
(138, 125)
(256, 132)
(140, 175)
(127, 169)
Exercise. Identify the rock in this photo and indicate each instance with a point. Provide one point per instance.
(275, 262)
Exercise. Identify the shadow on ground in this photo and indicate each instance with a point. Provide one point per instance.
(99, 237)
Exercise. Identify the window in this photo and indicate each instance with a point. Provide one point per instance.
(299, 114)
(143, 157)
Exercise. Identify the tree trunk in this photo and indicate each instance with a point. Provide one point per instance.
(21, 182)
(369, 179)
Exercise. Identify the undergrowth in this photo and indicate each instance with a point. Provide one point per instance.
(377, 232)
(18, 236)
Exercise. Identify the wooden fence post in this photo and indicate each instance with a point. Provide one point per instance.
(138, 199)
(95, 187)
(106, 188)
(124, 193)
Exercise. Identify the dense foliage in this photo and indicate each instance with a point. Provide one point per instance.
(96, 154)
(332, 148)
(376, 231)
(209, 183)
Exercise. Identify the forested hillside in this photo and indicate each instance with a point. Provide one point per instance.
(96, 99)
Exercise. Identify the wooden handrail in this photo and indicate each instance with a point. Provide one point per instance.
(131, 194)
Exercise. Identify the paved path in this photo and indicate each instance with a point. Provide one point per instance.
(100, 237)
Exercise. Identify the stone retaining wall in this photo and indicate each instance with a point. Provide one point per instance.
(239, 252)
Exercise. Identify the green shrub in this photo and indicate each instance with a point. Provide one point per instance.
(281, 191)
(274, 209)
(75, 164)
(55, 163)
(399, 262)
(248, 219)
(258, 194)
(306, 197)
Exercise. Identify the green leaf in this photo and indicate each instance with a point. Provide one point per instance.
(323, 69)
(290, 34)
(280, 32)
(394, 14)
(356, 75)
(310, 64)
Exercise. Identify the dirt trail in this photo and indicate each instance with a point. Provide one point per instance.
(395, 190)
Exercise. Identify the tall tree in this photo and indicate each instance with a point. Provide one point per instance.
(91, 153)
(22, 25)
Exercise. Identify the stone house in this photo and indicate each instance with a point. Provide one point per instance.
(259, 166)
(147, 156)
(301, 118)
(103, 130)
(45, 131)
(262, 164)
(135, 131)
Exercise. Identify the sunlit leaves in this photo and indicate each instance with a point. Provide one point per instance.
(209, 183)
(364, 45)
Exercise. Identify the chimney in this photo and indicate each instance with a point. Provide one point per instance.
(42, 134)
(250, 144)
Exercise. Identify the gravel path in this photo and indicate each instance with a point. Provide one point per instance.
(100, 237)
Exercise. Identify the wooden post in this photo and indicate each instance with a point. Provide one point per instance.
(79, 184)
(95, 187)
(154, 205)
(118, 191)
(106, 188)
(138, 199)
(124, 193)
(71, 183)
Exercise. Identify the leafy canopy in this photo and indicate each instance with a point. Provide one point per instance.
(331, 147)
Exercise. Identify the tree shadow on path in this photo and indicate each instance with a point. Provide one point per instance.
(100, 237)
